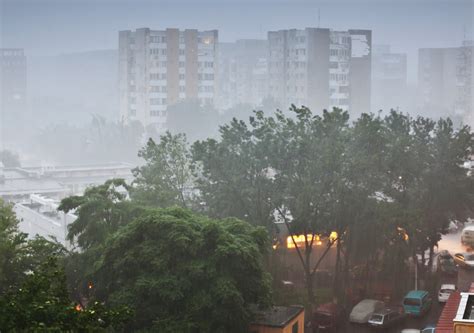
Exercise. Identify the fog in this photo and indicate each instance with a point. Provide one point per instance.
(72, 61)
(208, 166)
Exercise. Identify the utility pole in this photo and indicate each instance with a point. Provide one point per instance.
(416, 273)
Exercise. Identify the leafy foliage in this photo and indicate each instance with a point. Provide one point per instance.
(172, 266)
(166, 178)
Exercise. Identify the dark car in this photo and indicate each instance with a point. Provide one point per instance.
(326, 318)
(388, 317)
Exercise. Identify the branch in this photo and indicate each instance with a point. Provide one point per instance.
(328, 247)
(292, 236)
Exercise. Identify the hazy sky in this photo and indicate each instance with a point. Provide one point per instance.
(53, 27)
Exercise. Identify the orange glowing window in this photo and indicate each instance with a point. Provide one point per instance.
(300, 240)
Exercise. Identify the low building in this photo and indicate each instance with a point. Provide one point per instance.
(39, 216)
(279, 319)
(57, 182)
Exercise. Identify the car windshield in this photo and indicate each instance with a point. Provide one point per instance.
(377, 318)
(445, 256)
(469, 257)
(446, 291)
(411, 301)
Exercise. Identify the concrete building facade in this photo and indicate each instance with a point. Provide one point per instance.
(320, 68)
(157, 68)
(389, 79)
(445, 81)
(13, 89)
(242, 73)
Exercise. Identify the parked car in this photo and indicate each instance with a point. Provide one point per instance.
(386, 318)
(445, 263)
(464, 259)
(467, 236)
(445, 291)
(363, 310)
(417, 302)
(326, 317)
(429, 329)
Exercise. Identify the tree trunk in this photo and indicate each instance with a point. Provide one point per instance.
(337, 272)
(309, 288)
(430, 260)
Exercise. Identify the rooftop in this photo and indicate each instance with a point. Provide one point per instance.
(445, 321)
(277, 316)
(416, 293)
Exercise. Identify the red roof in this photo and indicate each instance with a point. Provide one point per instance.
(445, 322)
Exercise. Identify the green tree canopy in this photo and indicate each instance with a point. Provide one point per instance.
(182, 272)
(165, 179)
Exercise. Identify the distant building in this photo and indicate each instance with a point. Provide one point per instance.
(278, 319)
(17, 184)
(445, 81)
(320, 68)
(389, 79)
(242, 73)
(13, 73)
(157, 68)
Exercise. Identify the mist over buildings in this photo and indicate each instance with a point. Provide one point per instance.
(90, 81)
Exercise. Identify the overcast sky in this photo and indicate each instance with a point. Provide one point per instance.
(53, 27)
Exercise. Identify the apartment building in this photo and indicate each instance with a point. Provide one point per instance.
(389, 79)
(13, 71)
(242, 73)
(445, 81)
(320, 68)
(157, 68)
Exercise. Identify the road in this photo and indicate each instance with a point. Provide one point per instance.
(452, 243)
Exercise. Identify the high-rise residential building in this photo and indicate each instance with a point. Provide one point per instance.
(445, 81)
(320, 68)
(12, 90)
(465, 83)
(157, 68)
(389, 79)
(242, 72)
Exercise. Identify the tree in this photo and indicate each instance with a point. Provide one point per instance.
(166, 177)
(182, 272)
(101, 211)
(231, 177)
(426, 178)
(41, 303)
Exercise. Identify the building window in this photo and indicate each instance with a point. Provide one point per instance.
(181, 76)
(295, 328)
(181, 51)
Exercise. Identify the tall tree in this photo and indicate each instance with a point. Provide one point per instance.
(166, 178)
(183, 272)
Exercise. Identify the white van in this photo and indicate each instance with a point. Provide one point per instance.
(467, 235)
